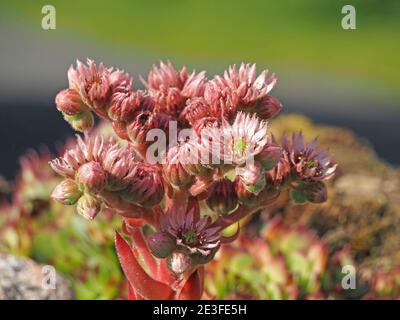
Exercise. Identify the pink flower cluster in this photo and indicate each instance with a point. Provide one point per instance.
(223, 157)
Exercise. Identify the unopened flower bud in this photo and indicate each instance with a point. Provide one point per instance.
(222, 197)
(244, 196)
(88, 206)
(315, 192)
(66, 192)
(179, 262)
(91, 177)
(145, 186)
(161, 244)
(69, 102)
(253, 177)
(174, 169)
(268, 107)
(137, 129)
(269, 156)
(80, 122)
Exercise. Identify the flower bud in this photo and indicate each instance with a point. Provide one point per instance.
(80, 122)
(178, 262)
(141, 124)
(69, 102)
(315, 192)
(269, 156)
(91, 177)
(222, 197)
(174, 169)
(66, 192)
(268, 107)
(244, 196)
(145, 186)
(161, 244)
(120, 130)
(253, 177)
(88, 206)
(122, 106)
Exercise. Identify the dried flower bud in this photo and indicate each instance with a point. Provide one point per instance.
(88, 206)
(222, 198)
(178, 262)
(69, 102)
(80, 122)
(269, 156)
(161, 244)
(67, 192)
(91, 177)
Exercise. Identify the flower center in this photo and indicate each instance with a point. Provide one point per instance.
(190, 237)
(240, 145)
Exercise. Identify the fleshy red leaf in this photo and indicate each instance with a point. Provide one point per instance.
(140, 281)
(193, 288)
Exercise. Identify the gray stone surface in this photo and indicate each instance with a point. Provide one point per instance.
(24, 279)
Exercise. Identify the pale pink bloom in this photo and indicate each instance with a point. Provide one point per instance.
(239, 142)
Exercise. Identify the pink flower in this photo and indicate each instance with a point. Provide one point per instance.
(95, 84)
(308, 162)
(170, 88)
(90, 149)
(246, 85)
(240, 142)
(192, 236)
(240, 90)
